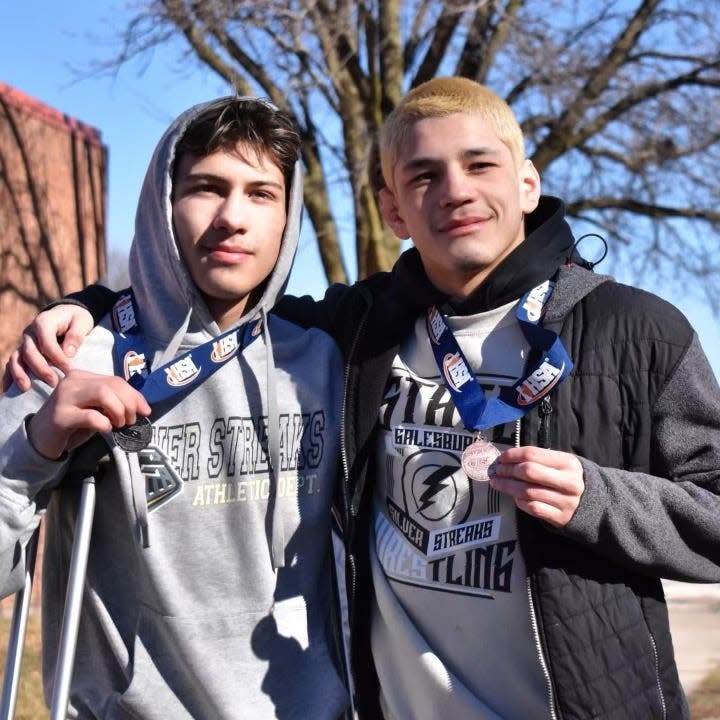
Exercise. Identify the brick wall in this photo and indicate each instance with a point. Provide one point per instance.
(52, 215)
(52, 209)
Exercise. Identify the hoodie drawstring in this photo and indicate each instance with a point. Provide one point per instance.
(277, 533)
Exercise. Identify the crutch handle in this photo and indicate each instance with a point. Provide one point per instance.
(85, 461)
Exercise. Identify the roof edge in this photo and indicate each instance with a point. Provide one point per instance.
(27, 104)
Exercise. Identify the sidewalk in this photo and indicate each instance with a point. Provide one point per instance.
(695, 625)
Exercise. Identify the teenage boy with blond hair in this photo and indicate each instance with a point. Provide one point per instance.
(527, 447)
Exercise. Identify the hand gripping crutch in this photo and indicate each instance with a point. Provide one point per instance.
(82, 470)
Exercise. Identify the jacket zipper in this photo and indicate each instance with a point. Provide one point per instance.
(350, 512)
(540, 654)
(544, 412)
(543, 433)
(657, 676)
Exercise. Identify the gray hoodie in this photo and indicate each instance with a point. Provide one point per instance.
(209, 588)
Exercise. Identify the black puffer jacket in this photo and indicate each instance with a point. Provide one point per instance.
(641, 409)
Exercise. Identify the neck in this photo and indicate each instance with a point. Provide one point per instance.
(459, 288)
(226, 312)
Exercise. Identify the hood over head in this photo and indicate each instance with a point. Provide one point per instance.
(173, 314)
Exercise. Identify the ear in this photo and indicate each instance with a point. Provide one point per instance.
(391, 213)
(530, 187)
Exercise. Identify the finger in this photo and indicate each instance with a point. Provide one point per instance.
(91, 421)
(553, 506)
(544, 511)
(531, 472)
(531, 453)
(46, 343)
(15, 372)
(134, 401)
(121, 402)
(115, 408)
(80, 325)
(7, 379)
(35, 360)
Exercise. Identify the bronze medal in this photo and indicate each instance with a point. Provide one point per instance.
(136, 437)
(477, 459)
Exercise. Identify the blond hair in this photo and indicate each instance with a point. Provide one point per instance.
(441, 97)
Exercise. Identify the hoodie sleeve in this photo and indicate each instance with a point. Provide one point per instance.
(665, 526)
(324, 314)
(97, 299)
(26, 478)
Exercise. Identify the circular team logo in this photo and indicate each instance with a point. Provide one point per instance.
(435, 487)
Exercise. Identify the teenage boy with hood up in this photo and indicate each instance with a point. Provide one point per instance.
(209, 589)
(527, 585)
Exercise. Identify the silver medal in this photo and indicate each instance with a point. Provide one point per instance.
(133, 438)
(477, 459)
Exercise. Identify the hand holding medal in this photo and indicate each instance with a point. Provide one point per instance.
(547, 484)
(85, 403)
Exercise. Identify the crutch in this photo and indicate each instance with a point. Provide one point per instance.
(16, 635)
(83, 470)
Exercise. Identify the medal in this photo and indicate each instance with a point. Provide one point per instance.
(478, 457)
(133, 438)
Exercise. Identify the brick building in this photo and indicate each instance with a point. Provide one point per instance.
(52, 209)
(52, 215)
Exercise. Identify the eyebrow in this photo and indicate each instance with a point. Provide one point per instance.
(211, 177)
(469, 154)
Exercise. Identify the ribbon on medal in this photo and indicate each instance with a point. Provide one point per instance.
(476, 410)
(179, 375)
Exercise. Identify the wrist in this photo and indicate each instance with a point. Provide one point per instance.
(35, 438)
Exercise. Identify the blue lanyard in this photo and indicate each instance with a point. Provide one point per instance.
(477, 411)
(183, 372)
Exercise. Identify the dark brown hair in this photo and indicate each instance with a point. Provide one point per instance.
(248, 122)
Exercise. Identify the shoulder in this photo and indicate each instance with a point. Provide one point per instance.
(620, 306)
(625, 332)
(293, 338)
(340, 308)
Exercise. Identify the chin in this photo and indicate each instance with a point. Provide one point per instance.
(472, 266)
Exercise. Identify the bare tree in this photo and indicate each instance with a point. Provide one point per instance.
(619, 100)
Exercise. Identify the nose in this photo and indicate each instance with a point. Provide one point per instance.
(231, 214)
(457, 187)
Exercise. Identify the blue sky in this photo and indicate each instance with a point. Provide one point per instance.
(47, 49)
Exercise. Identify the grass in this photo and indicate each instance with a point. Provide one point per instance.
(704, 702)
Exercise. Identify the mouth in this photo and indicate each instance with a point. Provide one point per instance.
(463, 225)
(228, 254)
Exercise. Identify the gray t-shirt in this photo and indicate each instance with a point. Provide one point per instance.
(452, 630)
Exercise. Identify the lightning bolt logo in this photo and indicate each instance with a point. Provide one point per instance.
(435, 483)
(434, 488)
